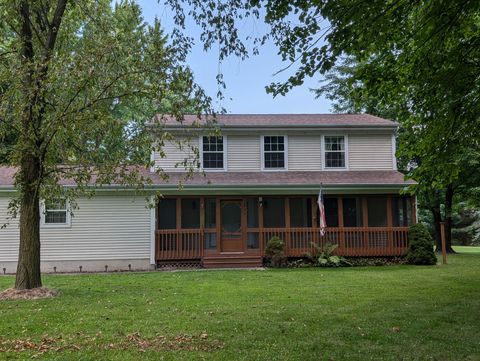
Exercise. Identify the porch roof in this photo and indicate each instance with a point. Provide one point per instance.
(386, 180)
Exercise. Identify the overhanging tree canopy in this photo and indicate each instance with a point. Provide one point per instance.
(79, 80)
(417, 62)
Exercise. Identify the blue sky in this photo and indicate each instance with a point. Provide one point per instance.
(246, 80)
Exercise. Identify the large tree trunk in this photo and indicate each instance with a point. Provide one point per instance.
(28, 269)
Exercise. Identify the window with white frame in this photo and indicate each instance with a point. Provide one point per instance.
(334, 151)
(56, 212)
(212, 153)
(274, 152)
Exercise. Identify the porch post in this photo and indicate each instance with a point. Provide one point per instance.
(217, 224)
(202, 225)
(341, 245)
(390, 224)
(153, 230)
(178, 238)
(365, 223)
(314, 224)
(260, 225)
(288, 230)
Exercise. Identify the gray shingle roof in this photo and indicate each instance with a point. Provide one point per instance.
(285, 120)
(259, 179)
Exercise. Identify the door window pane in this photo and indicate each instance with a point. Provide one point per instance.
(352, 212)
(190, 213)
(377, 211)
(231, 217)
(273, 212)
(167, 213)
(300, 212)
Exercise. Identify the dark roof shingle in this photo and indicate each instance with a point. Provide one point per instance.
(259, 179)
(285, 120)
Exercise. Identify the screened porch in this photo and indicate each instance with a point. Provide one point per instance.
(190, 227)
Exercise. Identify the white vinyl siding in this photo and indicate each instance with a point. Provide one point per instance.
(9, 235)
(105, 227)
(370, 152)
(304, 153)
(244, 153)
(174, 156)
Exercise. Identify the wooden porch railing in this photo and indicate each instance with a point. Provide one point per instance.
(351, 241)
(179, 244)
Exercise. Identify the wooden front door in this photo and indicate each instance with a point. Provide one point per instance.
(232, 237)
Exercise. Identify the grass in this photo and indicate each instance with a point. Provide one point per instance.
(364, 313)
(467, 249)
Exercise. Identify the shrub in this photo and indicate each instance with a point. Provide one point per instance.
(275, 254)
(326, 258)
(421, 246)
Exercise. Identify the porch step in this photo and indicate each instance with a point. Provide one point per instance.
(232, 261)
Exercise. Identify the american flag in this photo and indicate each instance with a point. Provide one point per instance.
(323, 221)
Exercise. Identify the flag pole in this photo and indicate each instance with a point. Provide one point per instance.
(321, 208)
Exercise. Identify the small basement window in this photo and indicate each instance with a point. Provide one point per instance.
(56, 213)
(334, 151)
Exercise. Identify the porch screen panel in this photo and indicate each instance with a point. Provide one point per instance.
(252, 223)
(300, 212)
(274, 213)
(402, 211)
(353, 217)
(210, 213)
(377, 217)
(352, 212)
(210, 223)
(377, 212)
(331, 211)
(190, 213)
(167, 211)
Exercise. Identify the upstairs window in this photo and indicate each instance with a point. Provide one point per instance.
(334, 151)
(274, 152)
(56, 213)
(212, 153)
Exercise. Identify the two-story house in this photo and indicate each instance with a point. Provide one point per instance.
(258, 177)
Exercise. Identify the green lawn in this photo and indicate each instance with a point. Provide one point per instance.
(466, 249)
(370, 313)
